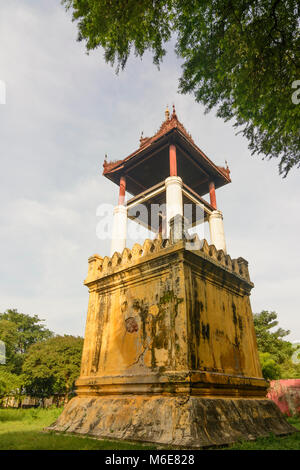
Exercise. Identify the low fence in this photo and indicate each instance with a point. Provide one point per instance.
(34, 402)
(286, 395)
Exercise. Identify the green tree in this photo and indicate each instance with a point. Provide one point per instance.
(19, 331)
(10, 384)
(275, 352)
(51, 367)
(272, 341)
(9, 336)
(239, 56)
(290, 370)
(270, 369)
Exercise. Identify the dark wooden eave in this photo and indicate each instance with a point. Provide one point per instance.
(149, 164)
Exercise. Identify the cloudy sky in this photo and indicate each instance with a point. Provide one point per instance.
(64, 111)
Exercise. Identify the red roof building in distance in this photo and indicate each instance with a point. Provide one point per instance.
(168, 159)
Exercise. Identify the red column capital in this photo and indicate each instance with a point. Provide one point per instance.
(212, 194)
(173, 160)
(122, 190)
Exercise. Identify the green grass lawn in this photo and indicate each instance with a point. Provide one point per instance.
(291, 442)
(22, 429)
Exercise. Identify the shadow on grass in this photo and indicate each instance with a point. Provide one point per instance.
(32, 440)
(22, 430)
(291, 442)
(272, 442)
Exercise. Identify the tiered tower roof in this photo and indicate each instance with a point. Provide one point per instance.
(149, 164)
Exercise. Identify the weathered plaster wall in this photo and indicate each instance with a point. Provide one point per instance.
(170, 353)
(163, 318)
(137, 322)
(286, 394)
(222, 336)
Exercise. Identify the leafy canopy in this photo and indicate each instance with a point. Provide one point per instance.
(37, 362)
(275, 352)
(52, 366)
(10, 384)
(272, 341)
(19, 331)
(270, 369)
(239, 56)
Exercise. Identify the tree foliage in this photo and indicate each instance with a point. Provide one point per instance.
(274, 351)
(290, 370)
(37, 362)
(10, 384)
(270, 369)
(239, 57)
(19, 331)
(52, 366)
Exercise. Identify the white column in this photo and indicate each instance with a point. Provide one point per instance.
(173, 199)
(216, 229)
(118, 241)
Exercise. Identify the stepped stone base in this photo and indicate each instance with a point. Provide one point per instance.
(170, 354)
(186, 421)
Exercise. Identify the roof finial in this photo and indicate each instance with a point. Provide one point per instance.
(173, 106)
(105, 160)
(167, 113)
(227, 168)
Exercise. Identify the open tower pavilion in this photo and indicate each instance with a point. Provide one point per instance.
(167, 172)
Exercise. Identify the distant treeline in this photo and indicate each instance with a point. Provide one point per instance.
(39, 364)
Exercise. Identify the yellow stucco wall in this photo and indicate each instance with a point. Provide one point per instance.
(163, 319)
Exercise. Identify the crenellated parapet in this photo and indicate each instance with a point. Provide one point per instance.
(238, 266)
(100, 267)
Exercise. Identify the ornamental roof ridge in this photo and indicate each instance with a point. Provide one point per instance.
(109, 165)
(168, 124)
(225, 170)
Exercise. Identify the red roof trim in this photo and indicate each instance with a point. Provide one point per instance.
(168, 125)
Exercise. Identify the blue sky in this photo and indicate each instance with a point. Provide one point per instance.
(64, 110)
